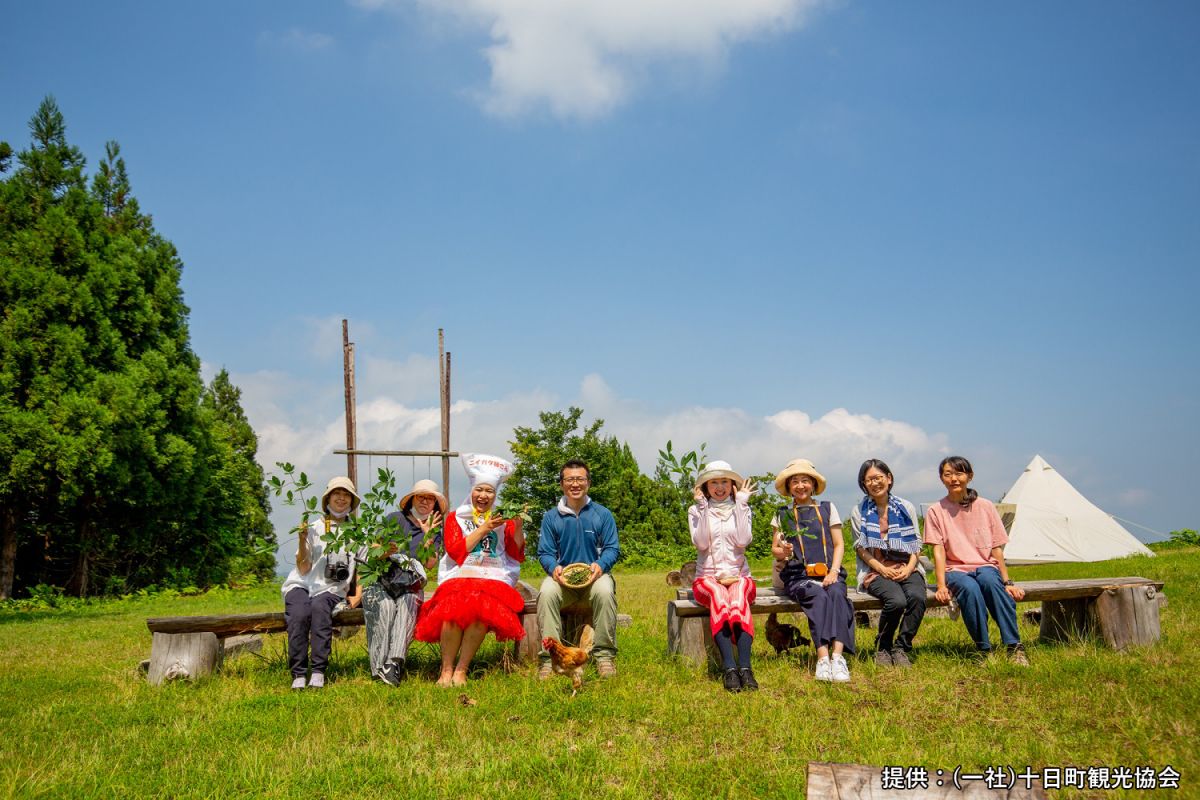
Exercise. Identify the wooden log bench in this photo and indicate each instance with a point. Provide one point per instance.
(190, 647)
(1122, 611)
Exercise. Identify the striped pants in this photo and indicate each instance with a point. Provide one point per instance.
(390, 625)
(726, 603)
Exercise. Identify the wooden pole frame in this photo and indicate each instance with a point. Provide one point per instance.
(351, 428)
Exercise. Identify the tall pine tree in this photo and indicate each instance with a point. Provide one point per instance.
(107, 457)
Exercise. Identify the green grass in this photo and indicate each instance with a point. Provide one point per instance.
(78, 720)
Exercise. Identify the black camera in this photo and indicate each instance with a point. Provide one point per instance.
(337, 567)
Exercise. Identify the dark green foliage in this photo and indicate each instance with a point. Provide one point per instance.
(109, 462)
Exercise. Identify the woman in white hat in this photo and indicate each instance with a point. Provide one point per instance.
(476, 577)
(807, 538)
(720, 526)
(390, 604)
(316, 585)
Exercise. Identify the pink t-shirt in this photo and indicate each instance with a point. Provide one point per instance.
(968, 533)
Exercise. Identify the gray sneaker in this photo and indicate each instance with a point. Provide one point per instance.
(900, 658)
(883, 658)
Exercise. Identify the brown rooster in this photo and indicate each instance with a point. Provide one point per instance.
(784, 637)
(570, 661)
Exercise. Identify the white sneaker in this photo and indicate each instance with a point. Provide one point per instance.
(298, 683)
(824, 669)
(841, 671)
(317, 681)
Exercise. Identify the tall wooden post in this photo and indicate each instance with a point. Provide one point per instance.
(444, 391)
(348, 369)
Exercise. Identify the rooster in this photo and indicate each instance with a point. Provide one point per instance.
(784, 637)
(570, 661)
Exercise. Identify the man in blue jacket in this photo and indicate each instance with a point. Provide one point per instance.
(579, 530)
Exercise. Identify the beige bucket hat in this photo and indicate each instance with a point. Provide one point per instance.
(426, 486)
(798, 466)
(340, 482)
(719, 469)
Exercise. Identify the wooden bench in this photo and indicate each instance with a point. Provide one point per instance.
(1124, 611)
(189, 647)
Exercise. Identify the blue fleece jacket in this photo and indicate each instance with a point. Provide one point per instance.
(590, 537)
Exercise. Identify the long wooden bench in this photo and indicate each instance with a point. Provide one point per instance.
(1123, 611)
(189, 647)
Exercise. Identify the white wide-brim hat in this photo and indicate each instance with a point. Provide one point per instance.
(340, 482)
(719, 469)
(426, 486)
(799, 466)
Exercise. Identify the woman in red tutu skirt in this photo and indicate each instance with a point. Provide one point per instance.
(477, 574)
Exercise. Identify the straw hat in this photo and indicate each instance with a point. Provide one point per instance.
(719, 469)
(340, 482)
(798, 466)
(426, 486)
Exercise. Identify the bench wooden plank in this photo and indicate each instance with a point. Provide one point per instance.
(226, 625)
(1124, 611)
(771, 600)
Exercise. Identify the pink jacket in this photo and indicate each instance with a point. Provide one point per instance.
(721, 546)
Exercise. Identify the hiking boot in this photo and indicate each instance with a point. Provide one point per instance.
(883, 658)
(606, 668)
(733, 681)
(841, 670)
(1016, 655)
(824, 671)
(900, 658)
(545, 670)
(980, 657)
(748, 682)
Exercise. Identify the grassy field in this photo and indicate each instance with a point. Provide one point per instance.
(78, 720)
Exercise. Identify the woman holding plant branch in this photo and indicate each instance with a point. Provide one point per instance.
(808, 540)
(391, 603)
(476, 576)
(318, 583)
(720, 526)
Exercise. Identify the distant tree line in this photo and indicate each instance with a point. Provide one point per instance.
(118, 467)
(651, 512)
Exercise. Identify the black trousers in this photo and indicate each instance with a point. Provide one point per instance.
(903, 608)
(309, 623)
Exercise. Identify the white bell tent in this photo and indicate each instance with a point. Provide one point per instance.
(1049, 520)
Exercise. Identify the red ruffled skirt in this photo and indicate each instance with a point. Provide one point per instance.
(467, 600)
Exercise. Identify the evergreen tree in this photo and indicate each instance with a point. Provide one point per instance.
(652, 524)
(106, 458)
(238, 498)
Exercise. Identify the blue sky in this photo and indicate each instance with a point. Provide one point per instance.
(786, 228)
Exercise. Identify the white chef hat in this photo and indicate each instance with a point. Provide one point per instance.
(482, 468)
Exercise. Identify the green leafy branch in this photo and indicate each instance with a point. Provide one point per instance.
(291, 488)
(369, 530)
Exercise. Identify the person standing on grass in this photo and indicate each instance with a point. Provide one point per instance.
(579, 531)
(316, 585)
(720, 526)
(807, 539)
(476, 577)
(888, 545)
(390, 605)
(968, 541)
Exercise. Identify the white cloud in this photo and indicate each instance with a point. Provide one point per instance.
(297, 39)
(583, 58)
